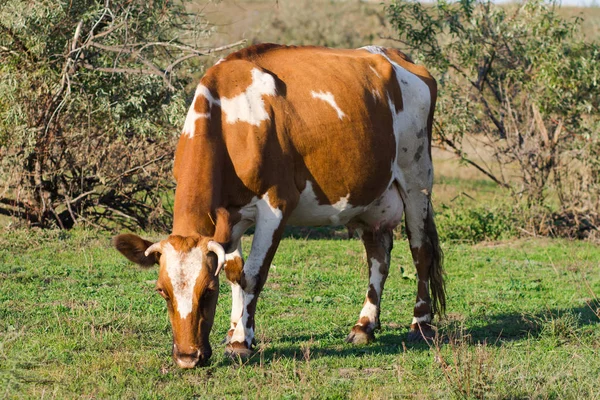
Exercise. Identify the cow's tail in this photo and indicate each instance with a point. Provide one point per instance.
(436, 269)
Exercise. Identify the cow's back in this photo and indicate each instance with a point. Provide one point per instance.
(319, 119)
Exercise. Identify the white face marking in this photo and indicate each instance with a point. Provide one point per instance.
(183, 270)
(249, 106)
(310, 212)
(328, 98)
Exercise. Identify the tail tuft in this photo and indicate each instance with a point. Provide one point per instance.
(436, 270)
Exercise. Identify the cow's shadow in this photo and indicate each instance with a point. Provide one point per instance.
(496, 330)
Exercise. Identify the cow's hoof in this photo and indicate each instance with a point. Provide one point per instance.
(237, 349)
(360, 335)
(417, 333)
(228, 336)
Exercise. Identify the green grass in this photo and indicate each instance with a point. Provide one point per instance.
(78, 320)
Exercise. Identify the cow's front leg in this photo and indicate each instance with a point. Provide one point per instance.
(234, 265)
(378, 246)
(270, 222)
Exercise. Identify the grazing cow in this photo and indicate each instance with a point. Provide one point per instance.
(280, 135)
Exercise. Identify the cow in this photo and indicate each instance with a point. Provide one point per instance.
(284, 135)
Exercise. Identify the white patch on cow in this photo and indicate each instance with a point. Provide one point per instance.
(410, 132)
(241, 333)
(220, 61)
(420, 320)
(328, 98)
(237, 302)
(268, 219)
(203, 91)
(237, 295)
(375, 71)
(376, 276)
(369, 310)
(376, 94)
(189, 127)
(183, 270)
(386, 211)
(249, 106)
(420, 303)
(309, 212)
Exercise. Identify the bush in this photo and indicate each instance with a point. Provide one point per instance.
(91, 100)
(461, 222)
(525, 82)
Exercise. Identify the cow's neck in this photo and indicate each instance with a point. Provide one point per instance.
(198, 170)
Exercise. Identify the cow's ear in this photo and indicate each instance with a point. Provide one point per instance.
(137, 250)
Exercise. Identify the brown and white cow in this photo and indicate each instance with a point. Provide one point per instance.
(280, 135)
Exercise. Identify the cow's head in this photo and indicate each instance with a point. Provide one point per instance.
(188, 281)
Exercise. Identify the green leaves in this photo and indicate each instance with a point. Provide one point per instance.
(521, 81)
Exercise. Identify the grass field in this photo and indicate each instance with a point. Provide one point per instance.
(78, 320)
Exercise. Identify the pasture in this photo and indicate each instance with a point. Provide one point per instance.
(78, 320)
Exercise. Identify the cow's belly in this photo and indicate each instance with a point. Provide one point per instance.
(309, 212)
(385, 211)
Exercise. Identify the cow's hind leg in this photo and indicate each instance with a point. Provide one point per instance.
(427, 257)
(378, 246)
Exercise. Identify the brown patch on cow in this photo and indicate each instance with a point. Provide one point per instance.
(183, 243)
(372, 295)
(237, 345)
(222, 226)
(364, 321)
(233, 269)
(239, 77)
(423, 309)
(202, 105)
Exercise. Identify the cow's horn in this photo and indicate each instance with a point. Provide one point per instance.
(220, 252)
(156, 247)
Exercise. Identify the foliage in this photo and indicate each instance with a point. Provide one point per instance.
(100, 330)
(525, 82)
(468, 223)
(90, 94)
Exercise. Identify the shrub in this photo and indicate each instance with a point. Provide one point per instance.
(462, 222)
(524, 81)
(91, 95)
